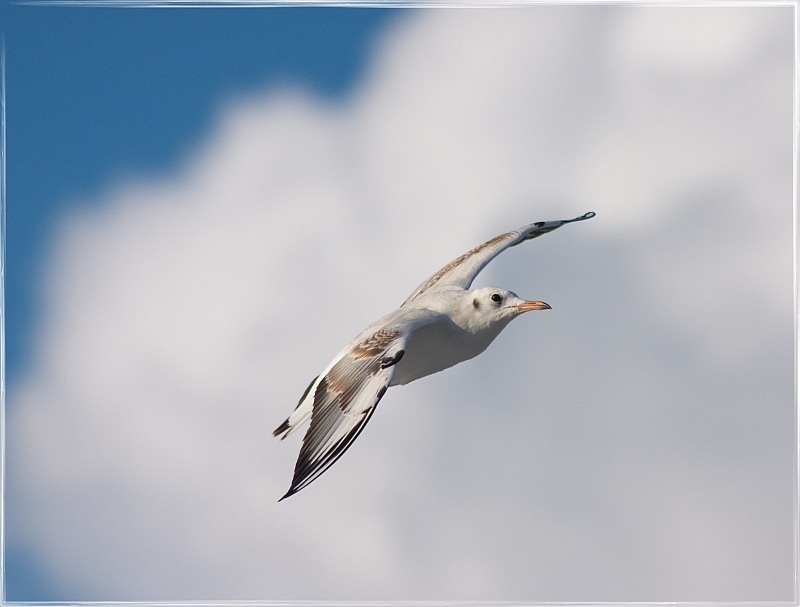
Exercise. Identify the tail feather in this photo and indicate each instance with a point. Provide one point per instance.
(282, 428)
(300, 414)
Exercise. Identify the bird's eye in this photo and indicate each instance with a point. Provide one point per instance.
(497, 298)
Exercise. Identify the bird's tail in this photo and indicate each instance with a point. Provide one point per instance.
(300, 414)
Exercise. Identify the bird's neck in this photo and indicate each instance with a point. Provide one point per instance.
(477, 324)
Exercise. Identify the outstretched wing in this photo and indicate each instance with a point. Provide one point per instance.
(462, 271)
(346, 396)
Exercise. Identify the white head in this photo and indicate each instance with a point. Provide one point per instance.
(491, 306)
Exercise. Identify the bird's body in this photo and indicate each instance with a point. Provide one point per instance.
(440, 325)
(450, 339)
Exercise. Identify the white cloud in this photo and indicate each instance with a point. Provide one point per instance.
(684, 39)
(640, 433)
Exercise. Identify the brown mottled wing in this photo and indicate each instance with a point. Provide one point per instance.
(462, 271)
(348, 393)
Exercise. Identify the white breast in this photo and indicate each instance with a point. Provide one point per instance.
(438, 346)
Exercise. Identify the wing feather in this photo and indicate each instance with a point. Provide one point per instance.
(462, 271)
(348, 392)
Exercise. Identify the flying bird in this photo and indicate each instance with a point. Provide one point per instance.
(442, 323)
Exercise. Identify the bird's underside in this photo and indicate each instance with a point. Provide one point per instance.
(441, 324)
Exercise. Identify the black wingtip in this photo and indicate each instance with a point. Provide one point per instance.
(289, 493)
(588, 215)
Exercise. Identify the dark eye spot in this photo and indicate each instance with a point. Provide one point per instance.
(475, 304)
(497, 298)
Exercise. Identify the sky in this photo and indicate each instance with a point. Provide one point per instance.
(204, 206)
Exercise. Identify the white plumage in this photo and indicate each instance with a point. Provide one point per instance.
(441, 324)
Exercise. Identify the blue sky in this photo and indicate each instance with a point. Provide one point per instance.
(95, 94)
(73, 72)
(204, 206)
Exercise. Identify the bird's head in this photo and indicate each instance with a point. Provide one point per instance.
(491, 305)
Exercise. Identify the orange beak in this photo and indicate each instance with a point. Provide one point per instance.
(527, 306)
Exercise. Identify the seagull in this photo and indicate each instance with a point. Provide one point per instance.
(442, 323)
